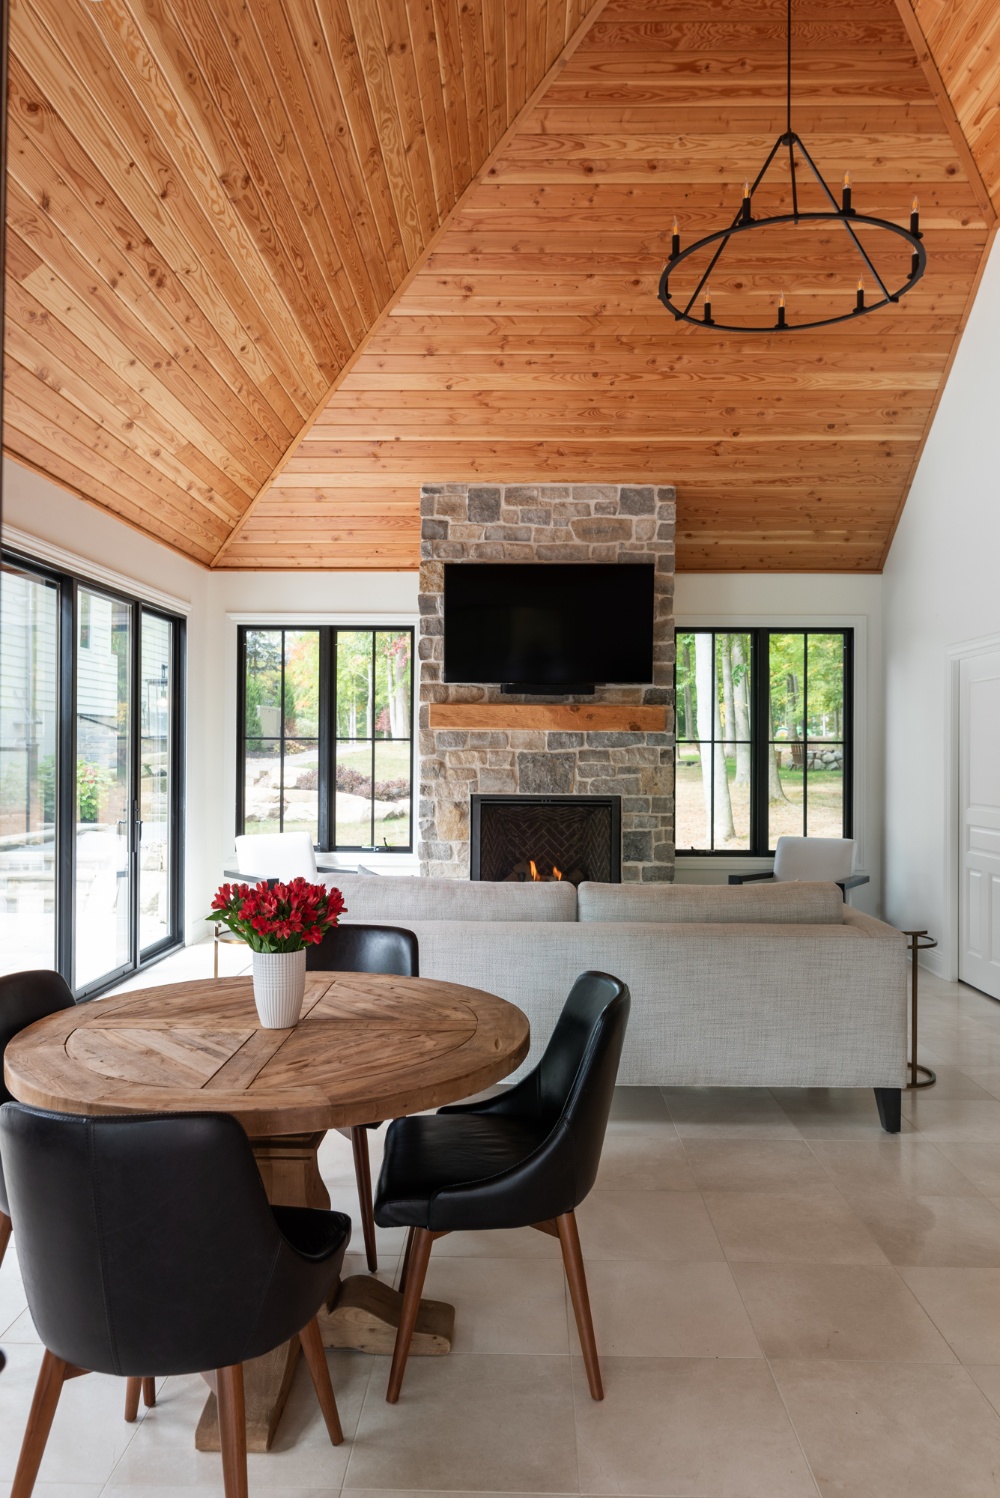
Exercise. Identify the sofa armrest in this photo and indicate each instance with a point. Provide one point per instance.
(749, 878)
(853, 881)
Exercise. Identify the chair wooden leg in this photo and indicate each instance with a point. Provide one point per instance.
(419, 1258)
(363, 1171)
(133, 1388)
(51, 1377)
(569, 1240)
(5, 1231)
(312, 1346)
(232, 1430)
(149, 1392)
(406, 1261)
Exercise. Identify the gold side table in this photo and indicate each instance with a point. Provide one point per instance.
(920, 1076)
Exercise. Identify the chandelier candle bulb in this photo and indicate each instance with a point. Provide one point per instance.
(915, 218)
(845, 203)
(781, 311)
(707, 310)
(675, 240)
(746, 202)
(860, 302)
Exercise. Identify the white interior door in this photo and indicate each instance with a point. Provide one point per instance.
(979, 791)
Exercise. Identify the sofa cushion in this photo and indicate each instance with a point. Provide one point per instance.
(393, 898)
(776, 904)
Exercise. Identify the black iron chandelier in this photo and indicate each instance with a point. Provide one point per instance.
(744, 223)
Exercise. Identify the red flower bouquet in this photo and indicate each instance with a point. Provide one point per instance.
(278, 917)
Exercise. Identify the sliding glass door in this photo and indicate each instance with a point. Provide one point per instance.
(29, 767)
(157, 780)
(90, 779)
(104, 832)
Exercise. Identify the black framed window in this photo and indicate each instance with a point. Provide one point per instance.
(91, 777)
(764, 737)
(326, 735)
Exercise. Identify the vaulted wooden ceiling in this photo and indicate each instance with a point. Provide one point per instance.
(210, 205)
(236, 320)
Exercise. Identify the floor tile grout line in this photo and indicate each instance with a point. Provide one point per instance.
(778, 1391)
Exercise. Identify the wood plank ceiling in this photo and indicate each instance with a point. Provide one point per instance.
(210, 207)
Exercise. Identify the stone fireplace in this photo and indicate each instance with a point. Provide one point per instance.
(525, 838)
(546, 523)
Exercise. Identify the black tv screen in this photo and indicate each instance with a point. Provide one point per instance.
(555, 625)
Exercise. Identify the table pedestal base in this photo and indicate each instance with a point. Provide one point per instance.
(363, 1314)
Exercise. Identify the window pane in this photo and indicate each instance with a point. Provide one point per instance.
(354, 686)
(826, 687)
(732, 808)
(28, 768)
(732, 655)
(787, 662)
(784, 784)
(301, 803)
(301, 706)
(692, 827)
(392, 794)
(263, 684)
(262, 785)
(686, 687)
(825, 791)
(156, 667)
(392, 684)
(103, 810)
(354, 794)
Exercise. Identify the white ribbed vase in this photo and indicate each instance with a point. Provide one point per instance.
(279, 985)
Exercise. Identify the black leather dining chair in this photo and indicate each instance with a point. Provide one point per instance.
(365, 949)
(149, 1247)
(524, 1158)
(24, 998)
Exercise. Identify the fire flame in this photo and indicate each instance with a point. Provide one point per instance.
(556, 872)
(534, 871)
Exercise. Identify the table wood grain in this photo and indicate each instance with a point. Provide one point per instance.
(368, 1047)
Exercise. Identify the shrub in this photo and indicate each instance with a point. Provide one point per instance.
(359, 784)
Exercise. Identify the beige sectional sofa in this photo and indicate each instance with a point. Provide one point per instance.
(760, 986)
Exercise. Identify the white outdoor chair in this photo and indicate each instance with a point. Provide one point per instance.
(269, 855)
(811, 860)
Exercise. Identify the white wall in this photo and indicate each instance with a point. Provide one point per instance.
(792, 600)
(941, 590)
(34, 505)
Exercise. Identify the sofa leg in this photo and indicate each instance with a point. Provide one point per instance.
(890, 1108)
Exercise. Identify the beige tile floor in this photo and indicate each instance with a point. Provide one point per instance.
(788, 1302)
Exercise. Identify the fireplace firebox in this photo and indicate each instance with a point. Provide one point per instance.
(525, 838)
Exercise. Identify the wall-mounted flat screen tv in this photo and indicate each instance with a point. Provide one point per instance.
(548, 627)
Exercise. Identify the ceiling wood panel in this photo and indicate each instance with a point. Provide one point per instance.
(530, 346)
(962, 41)
(210, 207)
(257, 294)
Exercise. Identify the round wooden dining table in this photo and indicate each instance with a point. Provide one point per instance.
(367, 1047)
